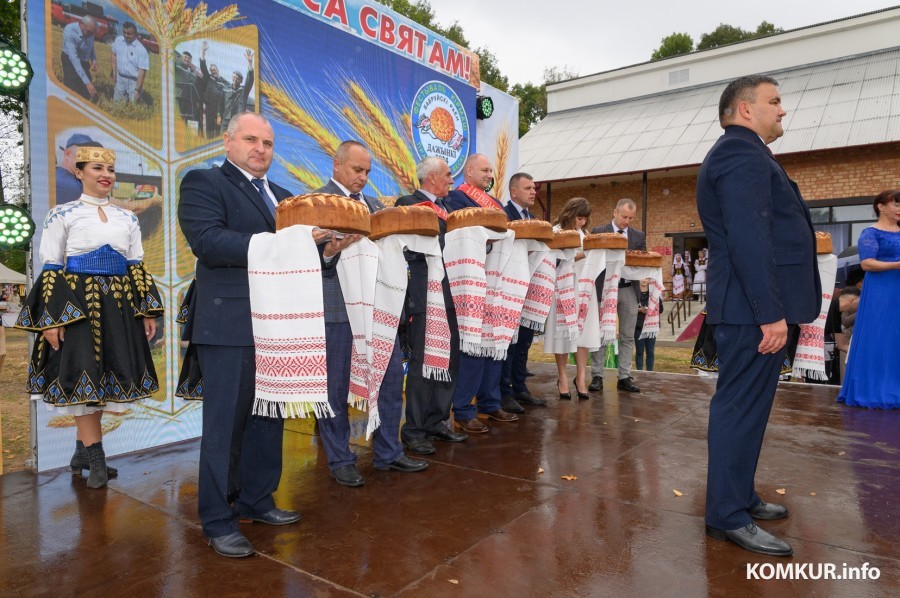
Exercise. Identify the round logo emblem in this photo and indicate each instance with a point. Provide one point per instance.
(440, 126)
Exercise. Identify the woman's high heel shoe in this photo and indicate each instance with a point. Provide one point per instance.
(565, 396)
(582, 396)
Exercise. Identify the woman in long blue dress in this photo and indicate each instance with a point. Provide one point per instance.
(871, 378)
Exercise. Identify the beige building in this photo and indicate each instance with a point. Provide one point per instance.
(642, 131)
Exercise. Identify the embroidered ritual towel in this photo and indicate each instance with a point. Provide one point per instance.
(809, 360)
(357, 272)
(585, 285)
(539, 298)
(651, 318)
(566, 310)
(288, 318)
(615, 260)
(508, 280)
(465, 252)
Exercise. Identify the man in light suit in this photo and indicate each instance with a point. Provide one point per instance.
(350, 173)
(513, 389)
(629, 299)
(219, 210)
(428, 401)
(482, 378)
(762, 283)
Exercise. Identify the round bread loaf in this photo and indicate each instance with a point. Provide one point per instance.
(647, 259)
(539, 230)
(405, 220)
(605, 241)
(565, 239)
(486, 217)
(332, 212)
(823, 243)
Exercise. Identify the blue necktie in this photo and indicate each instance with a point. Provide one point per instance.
(357, 196)
(261, 187)
(526, 214)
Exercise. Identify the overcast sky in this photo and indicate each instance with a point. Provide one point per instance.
(591, 36)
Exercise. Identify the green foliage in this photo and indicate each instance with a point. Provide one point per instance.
(533, 98)
(10, 31)
(673, 45)
(532, 104)
(490, 71)
(729, 34)
(682, 43)
(14, 259)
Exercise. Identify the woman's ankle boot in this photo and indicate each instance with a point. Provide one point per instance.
(81, 461)
(98, 477)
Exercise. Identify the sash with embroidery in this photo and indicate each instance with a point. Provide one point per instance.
(479, 197)
(441, 212)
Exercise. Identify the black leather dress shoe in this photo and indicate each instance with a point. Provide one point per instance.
(526, 398)
(406, 465)
(627, 385)
(419, 446)
(510, 405)
(275, 517)
(752, 538)
(596, 383)
(528, 374)
(768, 511)
(450, 436)
(235, 545)
(348, 475)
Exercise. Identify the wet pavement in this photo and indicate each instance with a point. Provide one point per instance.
(491, 516)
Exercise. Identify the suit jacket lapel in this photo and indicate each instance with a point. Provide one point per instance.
(240, 181)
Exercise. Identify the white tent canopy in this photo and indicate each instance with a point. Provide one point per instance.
(8, 276)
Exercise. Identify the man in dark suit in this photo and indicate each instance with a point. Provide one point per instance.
(350, 173)
(629, 299)
(513, 389)
(428, 401)
(219, 210)
(763, 281)
(482, 374)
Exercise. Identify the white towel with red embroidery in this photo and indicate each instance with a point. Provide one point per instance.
(358, 274)
(566, 309)
(615, 261)
(594, 264)
(513, 286)
(651, 318)
(809, 360)
(392, 274)
(288, 319)
(474, 284)
(539, 298)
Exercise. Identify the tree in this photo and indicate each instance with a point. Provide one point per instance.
(673, 45)
(728, 34)
(10, 32)
(533, 98)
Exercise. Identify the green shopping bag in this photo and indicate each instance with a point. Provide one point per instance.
(612, 355)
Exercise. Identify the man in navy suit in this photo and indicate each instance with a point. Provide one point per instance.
(350, 173)
(482, 378)
(219, 210)
(513, 389)
(762, 283)
(428, 401)
(629, 299)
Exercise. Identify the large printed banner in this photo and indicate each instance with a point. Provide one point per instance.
(159, 81)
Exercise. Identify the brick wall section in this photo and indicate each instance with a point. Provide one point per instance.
(850, 172)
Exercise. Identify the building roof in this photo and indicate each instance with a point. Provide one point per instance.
(832, 104)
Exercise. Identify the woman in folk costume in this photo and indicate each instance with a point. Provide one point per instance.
(700, 265)
(679, 277)
(575, 215)
(868, 381)
(94, 306)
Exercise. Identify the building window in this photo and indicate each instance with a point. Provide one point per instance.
(676, 77)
